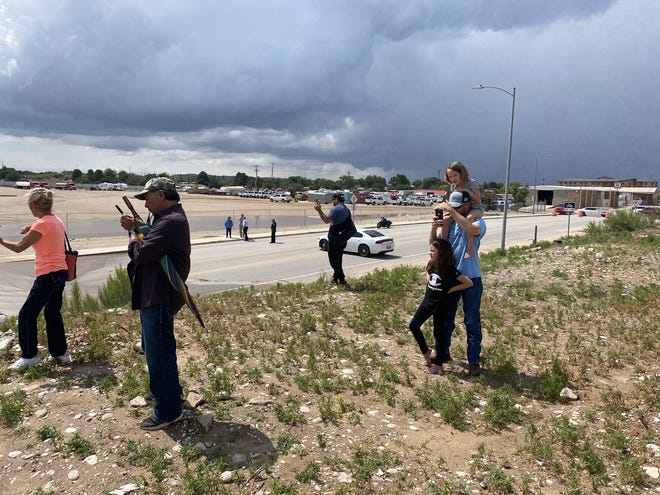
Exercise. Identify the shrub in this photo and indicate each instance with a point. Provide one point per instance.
(116, 292)
(553, 381)
(12, 408)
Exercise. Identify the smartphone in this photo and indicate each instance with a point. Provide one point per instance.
(438, 212)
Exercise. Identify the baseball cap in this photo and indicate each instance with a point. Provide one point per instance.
(156, 184)
(339, 196)
(459, 198)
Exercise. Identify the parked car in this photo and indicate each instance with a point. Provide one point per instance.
(647, 210)
(590, 211)
(282, 198)
(364, 243)
(422, 201)
(375, 200)
(562, 209)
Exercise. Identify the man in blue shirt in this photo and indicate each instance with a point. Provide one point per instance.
(457, 208)
(338, 217)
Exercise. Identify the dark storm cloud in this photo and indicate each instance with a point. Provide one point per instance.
(382, 84)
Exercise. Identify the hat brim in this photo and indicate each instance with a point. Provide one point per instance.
(453, 205)
(142, 194)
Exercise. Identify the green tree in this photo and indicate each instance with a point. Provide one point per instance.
(431, 183)
(295, 183)
(98, 175)
(518, 193)
(321, 183)
(76, 174)
(241, 179)
(400, 181)
(215, 182)
(495, 186)
(109, 175)
(9, 174)
(347, 182)
(203, 178)
(90, 175)
(374, 183)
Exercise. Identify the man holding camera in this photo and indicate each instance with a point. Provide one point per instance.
(461, 230)
(155, 297)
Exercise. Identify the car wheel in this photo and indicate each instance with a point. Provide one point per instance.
(363, 250)
(323, 244)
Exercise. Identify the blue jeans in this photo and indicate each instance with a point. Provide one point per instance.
(472, 313)
(46, 294)
(159, 347)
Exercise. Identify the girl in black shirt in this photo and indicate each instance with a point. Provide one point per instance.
(442, 278)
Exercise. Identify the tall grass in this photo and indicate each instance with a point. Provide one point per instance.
(114, 293)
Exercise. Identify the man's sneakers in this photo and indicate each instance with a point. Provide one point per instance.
(25, 363)
(474, 370)
(153, 423)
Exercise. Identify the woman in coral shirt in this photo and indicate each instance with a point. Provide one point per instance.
(46, 236)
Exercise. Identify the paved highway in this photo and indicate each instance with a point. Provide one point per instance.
(229, 264)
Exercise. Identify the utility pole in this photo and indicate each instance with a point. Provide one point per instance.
(256, 177)
(272, 167)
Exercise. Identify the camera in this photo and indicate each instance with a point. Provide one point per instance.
(438, 212)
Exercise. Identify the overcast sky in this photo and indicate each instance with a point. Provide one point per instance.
(324, 88)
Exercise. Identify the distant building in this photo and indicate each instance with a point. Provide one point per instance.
(605, 192)
(608, 182)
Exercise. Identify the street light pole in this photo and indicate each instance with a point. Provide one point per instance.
(536, 193)
(508, 161)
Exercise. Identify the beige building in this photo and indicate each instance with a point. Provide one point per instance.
(608, 182)
(602, 192)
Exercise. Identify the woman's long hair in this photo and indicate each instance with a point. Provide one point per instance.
(445, 260)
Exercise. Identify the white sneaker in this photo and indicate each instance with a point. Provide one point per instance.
(64, 358)
(24, 363)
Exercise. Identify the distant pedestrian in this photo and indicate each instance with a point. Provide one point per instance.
(273, 228)
(240, 225)
(228, 226)
(245, 226)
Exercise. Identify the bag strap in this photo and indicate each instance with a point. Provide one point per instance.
(67, 244)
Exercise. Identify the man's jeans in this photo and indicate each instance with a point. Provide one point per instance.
(160, 351)
(46, 294)
(472, 312)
